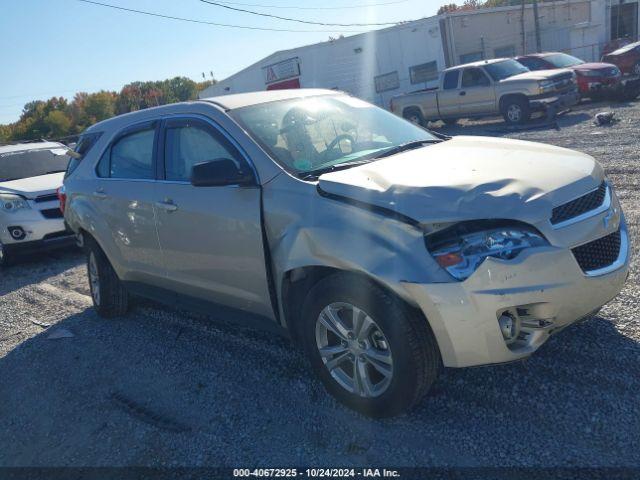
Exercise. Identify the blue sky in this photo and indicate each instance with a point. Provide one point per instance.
(58, 47)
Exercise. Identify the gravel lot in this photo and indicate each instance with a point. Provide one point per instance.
(166, 388)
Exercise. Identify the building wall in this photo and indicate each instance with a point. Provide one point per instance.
(577, 27)
(374, 66)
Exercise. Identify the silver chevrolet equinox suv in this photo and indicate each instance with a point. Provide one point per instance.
(386, 251)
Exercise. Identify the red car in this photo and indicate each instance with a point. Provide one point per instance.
(594, 79)
(626, 58)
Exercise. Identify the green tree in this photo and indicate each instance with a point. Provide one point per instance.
(99, 106)
(57, 124)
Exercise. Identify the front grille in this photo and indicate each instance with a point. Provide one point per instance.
(50, 197)
(563, 81)
(598, 254)
(52, 213)
(580, 205)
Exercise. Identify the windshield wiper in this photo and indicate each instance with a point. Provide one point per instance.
(403, 147)
(331, 168)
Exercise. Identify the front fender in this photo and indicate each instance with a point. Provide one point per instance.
(305, 229)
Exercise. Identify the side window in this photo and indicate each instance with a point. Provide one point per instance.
(474, 77)
(191, 143)
(532, 63)
(451, 80)
(132, 156)
(85, 143)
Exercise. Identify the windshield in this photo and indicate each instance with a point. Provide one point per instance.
(505, 69)
(562, 60)
(30, 163)
(626, 48)
(311, 133)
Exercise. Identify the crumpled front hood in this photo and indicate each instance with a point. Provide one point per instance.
(33, 186)
(468, 178)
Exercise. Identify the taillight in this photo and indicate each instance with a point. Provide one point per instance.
(62, 197)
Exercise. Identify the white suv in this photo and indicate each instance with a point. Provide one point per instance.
(30, 215)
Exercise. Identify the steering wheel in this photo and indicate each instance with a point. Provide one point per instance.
(335, 142)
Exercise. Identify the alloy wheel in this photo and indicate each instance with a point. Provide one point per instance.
(354, 349)
(514, 113)
(94, 278)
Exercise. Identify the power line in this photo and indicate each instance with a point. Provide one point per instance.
(287, 19)
(295, 7)
(204, 22)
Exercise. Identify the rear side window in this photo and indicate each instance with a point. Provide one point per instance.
(451, 80)
(84, 145)
(131, 156)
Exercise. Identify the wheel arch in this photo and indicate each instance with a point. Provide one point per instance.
(510, 96)
(297, 282)
(415, 109)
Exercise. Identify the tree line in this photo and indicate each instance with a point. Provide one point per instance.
(58, 117)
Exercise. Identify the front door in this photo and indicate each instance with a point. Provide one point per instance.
(211, 237)
(479, 95)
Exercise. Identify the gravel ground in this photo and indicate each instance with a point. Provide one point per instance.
(166, 388)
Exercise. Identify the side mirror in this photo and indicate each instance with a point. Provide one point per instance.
(220, 172)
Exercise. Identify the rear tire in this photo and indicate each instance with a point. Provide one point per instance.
(109, 296)
(414, 116)
(380, 370)
(516, 110)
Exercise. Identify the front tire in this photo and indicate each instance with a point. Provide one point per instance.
(109, 296)
(516, 111)
(371, 351)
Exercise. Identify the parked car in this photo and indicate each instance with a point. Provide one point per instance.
(627, 58)
(594, 79)
(30, 217)
(384, 250)
(615, 44)
(488, 87)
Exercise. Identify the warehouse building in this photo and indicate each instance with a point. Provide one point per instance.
(373, 66)
(381, 64)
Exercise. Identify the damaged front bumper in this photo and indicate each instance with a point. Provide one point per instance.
(556, 101)
(543, 290)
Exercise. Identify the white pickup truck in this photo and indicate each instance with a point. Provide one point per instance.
(489, 87)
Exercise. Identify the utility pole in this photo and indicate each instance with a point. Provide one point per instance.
(536, 22)
(524, 40)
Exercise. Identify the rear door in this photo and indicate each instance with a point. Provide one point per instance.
(124, 196)
(211, 237)
(449, 95)
(477, 93)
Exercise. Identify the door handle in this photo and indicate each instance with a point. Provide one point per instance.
(463, 93)
(99, 194)
(167, 206)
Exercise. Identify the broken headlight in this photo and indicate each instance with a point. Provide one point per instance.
(460, 251)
